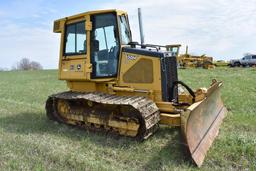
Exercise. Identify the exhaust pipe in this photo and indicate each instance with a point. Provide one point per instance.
(141, 27)
(186, 49)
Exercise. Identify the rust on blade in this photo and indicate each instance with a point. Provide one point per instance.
(201, 121)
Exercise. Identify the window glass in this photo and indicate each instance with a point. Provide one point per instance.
(81, 38)
(100, 36)
(71, 39)
(125, 32)
(110, 36)
(248, 57)
(254, 57)
(75, 39)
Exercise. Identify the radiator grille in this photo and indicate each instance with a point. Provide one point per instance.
(169, 76)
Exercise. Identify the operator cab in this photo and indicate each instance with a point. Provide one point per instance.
(91, 44)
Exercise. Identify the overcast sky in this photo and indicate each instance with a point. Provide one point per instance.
(223, 29)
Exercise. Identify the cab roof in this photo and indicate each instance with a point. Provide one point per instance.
(92, 12)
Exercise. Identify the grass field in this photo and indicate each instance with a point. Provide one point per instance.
(28, 141)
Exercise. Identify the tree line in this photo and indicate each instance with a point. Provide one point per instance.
(25, 64)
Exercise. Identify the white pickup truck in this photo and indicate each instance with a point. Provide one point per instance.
(248, 60)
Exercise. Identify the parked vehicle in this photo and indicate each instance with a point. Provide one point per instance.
(248, 60)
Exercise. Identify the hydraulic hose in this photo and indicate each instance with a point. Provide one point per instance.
(191, 92)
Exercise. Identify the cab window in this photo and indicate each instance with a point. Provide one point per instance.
(104, 45)
(75, 39)
(125, 32)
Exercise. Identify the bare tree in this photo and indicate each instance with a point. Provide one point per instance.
(35, 66)
(26, 64)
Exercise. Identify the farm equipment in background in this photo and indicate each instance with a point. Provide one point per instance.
(174, 48)
(221, 63)
(188, 61)
(126, 88)
(191, 61)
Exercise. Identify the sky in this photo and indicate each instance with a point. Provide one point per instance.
(224, 29)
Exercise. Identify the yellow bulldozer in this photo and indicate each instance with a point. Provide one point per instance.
(191, 61)
(126, 88)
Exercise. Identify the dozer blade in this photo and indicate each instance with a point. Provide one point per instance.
(201, 121)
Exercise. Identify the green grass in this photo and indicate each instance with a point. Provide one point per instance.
(29, 141)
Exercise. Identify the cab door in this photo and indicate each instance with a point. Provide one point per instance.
(105, 46)
(74, 51)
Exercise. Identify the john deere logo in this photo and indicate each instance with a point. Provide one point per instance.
(78, 67)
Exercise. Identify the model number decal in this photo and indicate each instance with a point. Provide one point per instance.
(131, 57)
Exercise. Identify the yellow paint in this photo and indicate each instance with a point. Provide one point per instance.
(79, 79)
(171, 120)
